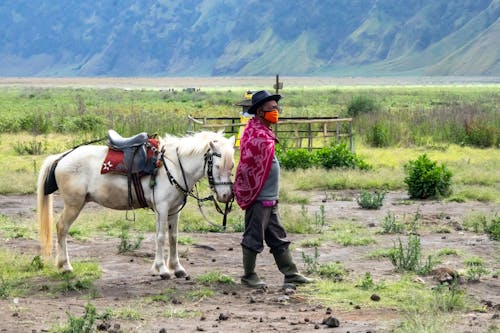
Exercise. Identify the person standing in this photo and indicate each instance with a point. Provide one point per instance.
(256, 189)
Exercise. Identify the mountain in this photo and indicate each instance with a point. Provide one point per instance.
(241, 38)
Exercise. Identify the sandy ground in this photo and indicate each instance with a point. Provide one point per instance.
(127, 283)
(261, 82)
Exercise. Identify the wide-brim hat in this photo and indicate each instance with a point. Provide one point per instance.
(259, 98)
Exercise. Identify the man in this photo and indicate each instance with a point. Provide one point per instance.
(256, 190)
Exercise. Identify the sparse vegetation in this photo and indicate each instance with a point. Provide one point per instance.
(369, 200)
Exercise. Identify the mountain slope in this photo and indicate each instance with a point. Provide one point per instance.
(230, 37)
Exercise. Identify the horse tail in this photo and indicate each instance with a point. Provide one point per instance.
(45, 204)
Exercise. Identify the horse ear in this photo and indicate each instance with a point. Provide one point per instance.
(232, 140)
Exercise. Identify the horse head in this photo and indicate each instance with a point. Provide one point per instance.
(219, 162)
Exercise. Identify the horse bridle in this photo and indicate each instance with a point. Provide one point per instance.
(208, 165)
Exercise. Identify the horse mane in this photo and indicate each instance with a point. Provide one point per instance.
(195, 144)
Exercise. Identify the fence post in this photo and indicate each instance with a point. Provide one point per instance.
(351, 139)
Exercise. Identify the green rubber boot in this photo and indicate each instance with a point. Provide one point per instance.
(251, 279)
(285, 263)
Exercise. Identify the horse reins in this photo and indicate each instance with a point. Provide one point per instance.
(208, 157)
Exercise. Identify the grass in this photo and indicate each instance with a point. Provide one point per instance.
(24, 275)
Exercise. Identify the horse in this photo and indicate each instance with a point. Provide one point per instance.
(184, 161)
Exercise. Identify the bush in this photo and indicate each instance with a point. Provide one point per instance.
(368, 200)
(295, 159)
(338, 156)
(361, 104)
(425, 179)
(378, 136)
(334, 156)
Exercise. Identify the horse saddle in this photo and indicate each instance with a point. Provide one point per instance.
(136, 159)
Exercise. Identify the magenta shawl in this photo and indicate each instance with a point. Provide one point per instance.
(256, 157)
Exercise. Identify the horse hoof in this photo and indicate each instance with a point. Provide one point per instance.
(180, 274)
(165, 276)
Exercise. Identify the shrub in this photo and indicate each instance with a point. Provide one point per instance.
(378, 136)
(409, 257)
(338, 156)
(425, 179)
(361, 104)
(334, 156)
(295, 159)
(390, 225)
(33, 147)
(368, 200)
(83, 123)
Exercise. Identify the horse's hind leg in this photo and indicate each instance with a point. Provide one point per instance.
(67, 218)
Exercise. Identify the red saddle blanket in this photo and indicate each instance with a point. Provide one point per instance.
(113, 162)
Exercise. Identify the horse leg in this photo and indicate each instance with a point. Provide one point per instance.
(159, 262)
(68, 216)
(173, 257)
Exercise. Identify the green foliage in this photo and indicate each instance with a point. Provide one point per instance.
(408, 258)
(33, 147)
(483, 223)
(475, 269)
(480, 133)
(425, 179)
(362, 104)
(293, 159)
(369, 200)
(84, 324)
(333, 271)
(215, 277)
(126, 245)
(390, 225)
(333, 156)
(378, 135)
(311, 262)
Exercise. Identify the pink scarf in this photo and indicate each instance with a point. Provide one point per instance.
(256, 157)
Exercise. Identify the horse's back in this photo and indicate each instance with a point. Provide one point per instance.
(77, 170)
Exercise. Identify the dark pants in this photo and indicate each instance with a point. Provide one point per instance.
(263, 224)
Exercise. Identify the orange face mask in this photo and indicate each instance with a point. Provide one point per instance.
(272, 116)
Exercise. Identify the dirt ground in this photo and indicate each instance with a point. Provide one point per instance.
(127, 282)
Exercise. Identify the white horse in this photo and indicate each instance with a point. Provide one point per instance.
(79, 180)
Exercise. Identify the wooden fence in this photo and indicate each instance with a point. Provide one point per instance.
(297, 132)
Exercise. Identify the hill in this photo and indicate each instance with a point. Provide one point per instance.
(230, 37)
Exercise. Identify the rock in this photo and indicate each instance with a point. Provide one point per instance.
(331, 322)
(223, 316)
(445, 275)
(375, 297)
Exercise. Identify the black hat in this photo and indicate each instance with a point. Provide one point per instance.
(259, 98)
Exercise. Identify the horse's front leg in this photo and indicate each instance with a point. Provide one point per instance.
(159, 262)
(173, 256)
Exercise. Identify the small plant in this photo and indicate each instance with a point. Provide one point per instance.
(409, 257)
(369, 200)
(492, 228)
(32, 147)
(126, 245)
(362, 104)
(81, 324)
(390, 225)
(333, 271)
(448, 298)
(379, 136)
(366, 282)
(311, 262)
(211, 278)
(320, 218)
(425, 179)
(475, 269)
